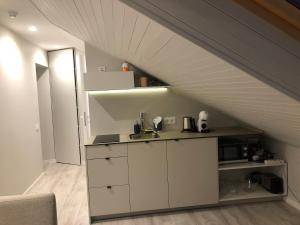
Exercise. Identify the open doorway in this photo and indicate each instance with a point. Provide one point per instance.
(45, 112)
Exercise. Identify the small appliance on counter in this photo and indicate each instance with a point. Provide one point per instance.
(269, 181)
(107, 138)
(189, 124)
(237, 149)
(202, 122)
(157, 123)
(272, 183)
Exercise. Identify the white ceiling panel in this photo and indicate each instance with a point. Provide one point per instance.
(125, 33)
(47, 36)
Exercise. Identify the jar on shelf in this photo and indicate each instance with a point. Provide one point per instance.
(125, 67)
(144, 81)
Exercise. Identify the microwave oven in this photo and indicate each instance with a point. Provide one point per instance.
(237, 149)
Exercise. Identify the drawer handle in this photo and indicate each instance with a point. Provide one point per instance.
(176, 139)
(108, 187)
(146, 142)
(107, 158)
(106, 145)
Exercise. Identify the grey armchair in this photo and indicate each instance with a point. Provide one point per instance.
(38, 209)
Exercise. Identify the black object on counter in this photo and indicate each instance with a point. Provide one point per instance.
(272, 183)
(137, 128)
(108, 138)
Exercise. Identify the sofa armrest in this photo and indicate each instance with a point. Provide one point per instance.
(38, 209)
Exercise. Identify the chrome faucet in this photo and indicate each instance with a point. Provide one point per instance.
(142, 120)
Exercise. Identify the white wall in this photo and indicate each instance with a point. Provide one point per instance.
(292, 155)
(20, 143)
(116, 113)
(45, 112)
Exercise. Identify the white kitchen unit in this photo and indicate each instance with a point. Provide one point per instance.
(103, 81)
(148, 175)
(145, 176)
(176, 171)
(193, 172)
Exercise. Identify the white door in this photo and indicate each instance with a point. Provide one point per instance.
(64, 106)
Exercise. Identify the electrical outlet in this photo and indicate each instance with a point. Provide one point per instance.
(170, 120)
(101, 68)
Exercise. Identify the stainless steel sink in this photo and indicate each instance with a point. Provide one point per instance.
(143, 136)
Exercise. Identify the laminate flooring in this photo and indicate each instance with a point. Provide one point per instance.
(68, 182)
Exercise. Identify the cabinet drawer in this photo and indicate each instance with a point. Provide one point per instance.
(103, 151)
(110, 171)
(105, 201)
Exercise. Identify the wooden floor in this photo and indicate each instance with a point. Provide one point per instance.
(69, 185)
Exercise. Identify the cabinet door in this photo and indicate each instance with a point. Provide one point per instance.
(192, 172)
(148, 176)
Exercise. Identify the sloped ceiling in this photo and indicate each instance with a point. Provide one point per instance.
(125, 33)
(48, 37)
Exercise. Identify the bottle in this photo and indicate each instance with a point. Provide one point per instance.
(137, 127)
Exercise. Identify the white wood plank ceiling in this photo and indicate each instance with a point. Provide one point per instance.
(123, 32)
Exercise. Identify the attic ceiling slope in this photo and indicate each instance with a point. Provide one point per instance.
(226, 29)
(125, 33)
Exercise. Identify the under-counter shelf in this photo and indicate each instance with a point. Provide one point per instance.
(233, 181)
(246, 165)
(241, 194)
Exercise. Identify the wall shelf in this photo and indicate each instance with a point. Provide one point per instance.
(118, 80)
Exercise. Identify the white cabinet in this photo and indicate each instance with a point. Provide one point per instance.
(192, 172)
(152, 175)
(103, 81)
(148, 176)
(107, 171)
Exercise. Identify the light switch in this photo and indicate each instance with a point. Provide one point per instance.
(37, 127)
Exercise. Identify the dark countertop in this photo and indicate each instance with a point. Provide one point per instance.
(171, 135)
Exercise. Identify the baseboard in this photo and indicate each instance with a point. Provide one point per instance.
(35, 182)
(295, 204)
(49, 161)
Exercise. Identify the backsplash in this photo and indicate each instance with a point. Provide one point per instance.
(117, 113)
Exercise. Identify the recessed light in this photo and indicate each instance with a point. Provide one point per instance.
(12, 14)
(32, 28)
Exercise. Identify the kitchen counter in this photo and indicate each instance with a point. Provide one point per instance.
(170, 135)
